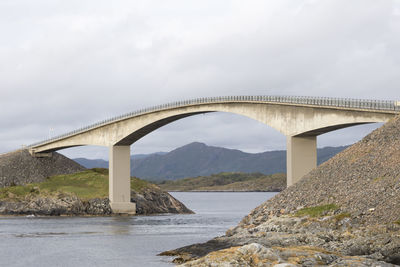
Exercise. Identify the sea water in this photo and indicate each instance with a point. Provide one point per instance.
(122, 241)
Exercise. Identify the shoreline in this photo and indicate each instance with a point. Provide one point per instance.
(327, 239)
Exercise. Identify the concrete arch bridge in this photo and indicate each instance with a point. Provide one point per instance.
(300, 119)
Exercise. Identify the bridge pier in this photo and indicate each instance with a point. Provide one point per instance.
(301, 157)
(120, 180)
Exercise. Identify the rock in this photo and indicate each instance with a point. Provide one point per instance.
(257, 255)
(157, 201)
(363, 181)
(152, 202)
(19, 167)
(325, 234)
(361, 185)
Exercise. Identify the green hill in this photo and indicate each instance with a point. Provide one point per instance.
(228, 181)
(85, 185)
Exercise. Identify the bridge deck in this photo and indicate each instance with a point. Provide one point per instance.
(384, 106)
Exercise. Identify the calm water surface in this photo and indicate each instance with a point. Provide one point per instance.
(121, 241)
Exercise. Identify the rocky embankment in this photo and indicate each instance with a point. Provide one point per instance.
(19, 167)
(344, 213)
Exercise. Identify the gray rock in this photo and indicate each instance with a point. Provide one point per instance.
(19, 167)
(152, 202)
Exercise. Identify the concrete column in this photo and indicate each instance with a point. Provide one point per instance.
(301, 157)
(120, 180)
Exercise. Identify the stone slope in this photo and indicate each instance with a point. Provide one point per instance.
(348, 206)
(363, 180)
(19, 167)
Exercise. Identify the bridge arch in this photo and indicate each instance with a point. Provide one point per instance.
(301, 120)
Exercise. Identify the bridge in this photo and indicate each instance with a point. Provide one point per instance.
(300, 119)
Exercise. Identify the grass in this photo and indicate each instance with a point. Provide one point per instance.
(85, 185)
(397, 222)
(341, 216)
(377, 179)
(139, 185)
(316, 211)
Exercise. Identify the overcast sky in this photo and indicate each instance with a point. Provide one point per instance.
(66, 64)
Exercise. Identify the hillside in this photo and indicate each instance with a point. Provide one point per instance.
(101, 163)
(19, 167)
(348, 206)
(229, 182)
(363, 180)
(197, 159)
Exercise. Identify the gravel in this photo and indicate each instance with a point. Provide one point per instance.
(19, 167)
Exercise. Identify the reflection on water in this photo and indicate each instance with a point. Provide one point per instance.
(39, 234)
(121, 241)
(120, 226)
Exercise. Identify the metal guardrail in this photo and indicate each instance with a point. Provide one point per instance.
(378, 105)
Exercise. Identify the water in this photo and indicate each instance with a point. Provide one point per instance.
(121, 241)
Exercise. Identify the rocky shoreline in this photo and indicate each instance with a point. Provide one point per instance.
(346, 212)
(151, 201)
(280, 257)
(333, 240)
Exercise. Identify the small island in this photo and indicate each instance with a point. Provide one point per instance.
(58, 186)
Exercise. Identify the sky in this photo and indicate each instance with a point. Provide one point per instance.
(67, 64)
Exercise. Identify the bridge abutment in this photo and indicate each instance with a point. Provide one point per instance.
(120, 180)
(301, 157)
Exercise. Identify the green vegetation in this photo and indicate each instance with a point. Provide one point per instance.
(397, 222)
(341, 216)
(85, 185)
(228, 181)
(316, 211)
(139, 185)
(377, 179)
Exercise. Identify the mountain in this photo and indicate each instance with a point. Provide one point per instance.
(198, 159)
(142, 156)
(101, 163)
(92, 163)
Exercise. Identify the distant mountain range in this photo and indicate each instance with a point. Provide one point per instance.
(198, 159)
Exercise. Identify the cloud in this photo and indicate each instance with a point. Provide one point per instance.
(66, 64)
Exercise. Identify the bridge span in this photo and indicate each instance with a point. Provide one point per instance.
(300, 119)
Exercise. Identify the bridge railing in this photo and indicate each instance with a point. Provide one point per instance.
(378, 105)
